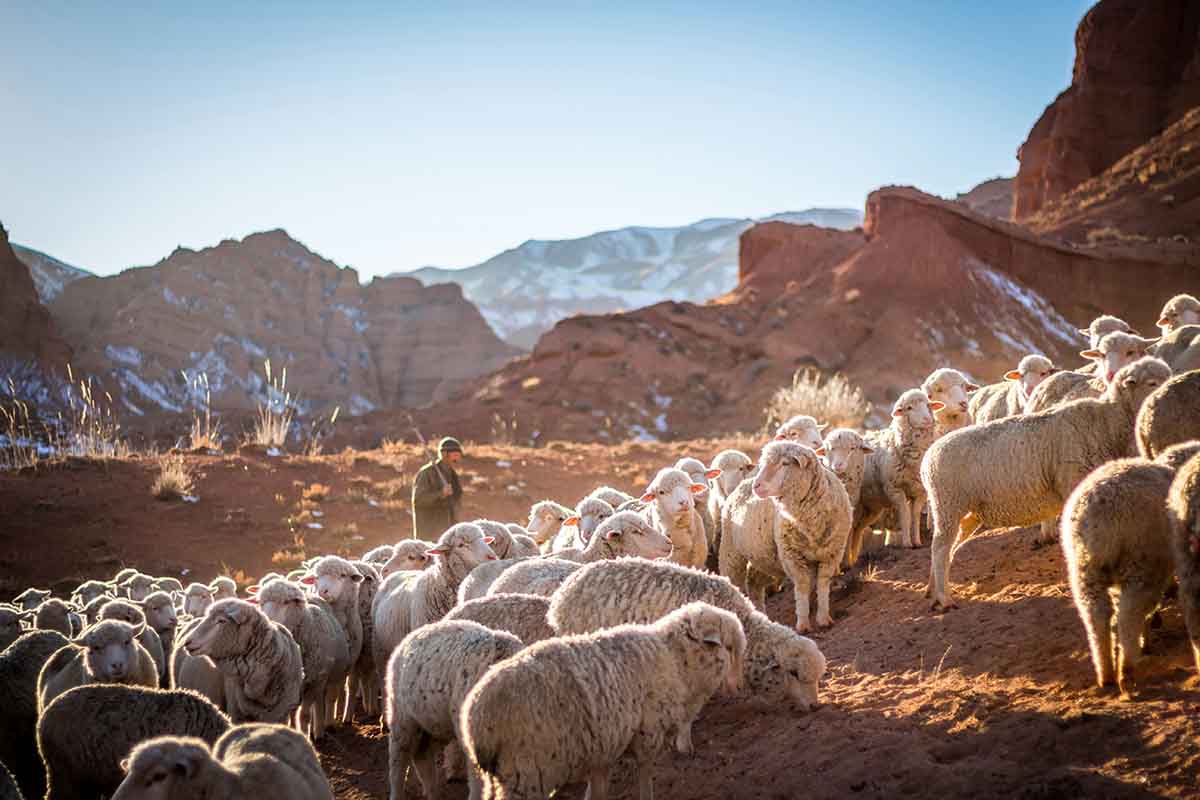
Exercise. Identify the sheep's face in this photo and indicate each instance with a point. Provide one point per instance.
(91, 612)
(591, 513)
(949, 387)
(632, 535)
(1138, 380)
(803, 430)
(226, 630)
(1117, 351)
(915, 409)
(1029, 373)
(1101, 327)
(718, 640)
(160, 612)
(223, 588)
(786, 667)
(30, 599)
(10, 624)
(699, 474)
(501, 539)
(412, 554)
(334, 579)
(735, 467)
(380, 555)
(197, 599)
(53, 612)
(1179, 311)
(782, 463)
(545, 520)
(284, 603)
(465, 546)
(110, 651)
(123, 611)
(672, 489)
(168, 585)
(844, 451)
(161, 770)
(138, 587)
(90, 590)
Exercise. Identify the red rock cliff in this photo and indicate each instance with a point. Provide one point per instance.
(26, 330)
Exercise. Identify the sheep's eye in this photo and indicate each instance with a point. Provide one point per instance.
(1129, 353)
(795, 673)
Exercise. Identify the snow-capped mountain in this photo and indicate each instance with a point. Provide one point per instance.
(524, 291)
(49, 274)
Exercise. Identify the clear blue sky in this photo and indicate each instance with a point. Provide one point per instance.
(396, 135)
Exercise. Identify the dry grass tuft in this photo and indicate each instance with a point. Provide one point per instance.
(275, 416)
(205, 434)
(830, 400)
(173, 481)
(315, 493)
(504, 431)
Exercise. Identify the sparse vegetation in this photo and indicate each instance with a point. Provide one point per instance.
(317, 431)
(830, 400)
(504, 431)
(315, 493)
(205, 433)
(275, 415)
(174, 480)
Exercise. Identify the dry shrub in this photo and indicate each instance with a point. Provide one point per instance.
(830, 400)
(173, 481)
(274, 417)
(504, 431)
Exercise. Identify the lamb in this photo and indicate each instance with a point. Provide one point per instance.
(545, 519)
(1020, 470)
(88, 591)
(672, 510)
(30, 599)
(428, 678)
(811, 525)
(845, 453)
(628, 688)
(20, 664)
(1114, 537)
(625, 533)
(197, 673)
(107, 652)
(477, 583)
(1008, 397)
(408, 600)
(137, 586)
(801, 428)
(523, 543)
(577, 530)
(735, 467)
(127, 611)
(949, 387)
(223, 588)
(80, 763)
(781, 665)
(1170, 415)
(1183, 514)
(10, 624)
(1180, 310)
(1103, 325)
(259, 659)
(614, 497)
(324, 650)
(891, 477)
(162, 618)
(701, 475)
(196, 599)
(247, 761)
(379, 555)
(54, 615)
(1115, 350)
(337, 582)
(411, 554)
(91, 612)
(522, 615)
(364, 681)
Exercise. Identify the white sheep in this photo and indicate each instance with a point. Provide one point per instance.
(1103, 325)
(1008, 397)
(781, 665)
(380, 555)
(137, 586)
(523, 544)
(30, 599)
(253, 760)
(54, 615)
(577, 530)
(1180, 348)
(1114, 537)
(410, 554)
(1170, 415)
(702, 475)
(540, 576)
(260, 661)
(128, 611)
(428, 678)
(614, 497)
(566, 709)
(1020, 470)
(1180, 310)
(951, 388)
(107, 652)
(1114, 351)
(546, 518)
(522, 615)
(196, 599)
(10, 624)
(196, 673)
(802, 429)
(477, 583)
(845, 454)
(20, 664)
(364, 681)
(223, 588)
(672, 509)
(735, 467)
(337, 582)
(1183, 514)
(88, 591)
(625, 533)
(168, 585)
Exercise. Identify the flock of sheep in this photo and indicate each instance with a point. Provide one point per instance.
(536, 655)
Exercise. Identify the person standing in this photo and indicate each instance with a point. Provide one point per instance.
(436, 492)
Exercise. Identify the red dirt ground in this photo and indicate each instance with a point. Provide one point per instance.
(994, 699)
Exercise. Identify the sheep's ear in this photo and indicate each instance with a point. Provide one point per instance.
(779, 437)
(647, 497)
(252, 590)
(1163, 322)
(571, 521)
(972, 387)
(252, 601)
(897, 412)
(124, 765)
(1012, 375)
(821, 426)
(937, 405)
(183, 766)
(437, 551)
(866, 448)
(139, 630)
(820, 450)
(486, 540)
(309, 580)
(615, 533)
(697, 488)
(1094, 355)
(1085, 333)
(713, 473)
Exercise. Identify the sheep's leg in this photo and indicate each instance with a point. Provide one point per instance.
(1049, 530)
(901, 504)
(949, 525)
(597, 784)
(399, 757)
(351, 702)
(802, 577)
(825, 572)
(918, 505)
(854, 544)
(454, 761)
(424, 761)
(733, 563)
(683, 740)
(1095, 609)
(474, 784)
(1189, 602)
(1135, 604)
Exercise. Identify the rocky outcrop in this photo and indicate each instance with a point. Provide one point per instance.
(26, 330)
(992, 198)
(49, 274)
(223, 311)
(1137, 70)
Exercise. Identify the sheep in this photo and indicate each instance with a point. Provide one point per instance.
(1183, 514)
(337, 582)
(85, 734)
(168, 585)
(127, 611)
(247, 760)
(379, 555)
(781, 665)
(891, 474)
(522, 615)
(1180, 348)
(1020, 470)
(702, 475)
(1116, 350)
(614, 497)
(197, 673)
(428, 678)
(163, 619)
(123, 575)
(1008, 397)
(91, 612)
(137, 586)
(8, 785)
(624, 533)
(1170, 415)
(20, 665)
(10, 624)
(545, 520)
(950, 388)
(88, 591)
(223, 588)
(107, 652)
(54, 615)
(1180, 310)
(803, 429)
(324, 649)
(411, 554)
(811, 523)
(540, 576)
(735, 467)
(476, 584)
(672, 510)
(566, 709)
(523, 544)
(408, 600)
(577, 530)
(30, 599)
(259, 660)
(363, 679)
(196, 599)
(845, 453)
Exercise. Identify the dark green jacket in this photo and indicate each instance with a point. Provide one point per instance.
(432, 513)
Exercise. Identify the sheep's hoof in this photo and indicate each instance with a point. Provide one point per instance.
(942, 606)
(803, 627)
(824, 621)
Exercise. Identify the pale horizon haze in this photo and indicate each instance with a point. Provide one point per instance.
(398, 135)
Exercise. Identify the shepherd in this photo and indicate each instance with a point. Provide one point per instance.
(436, 492)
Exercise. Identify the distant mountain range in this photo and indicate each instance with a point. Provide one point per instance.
(50, 276)
(524, 291)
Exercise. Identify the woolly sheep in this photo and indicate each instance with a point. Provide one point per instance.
(196, 599)
(379, 555)
(1115, 350)
(802, 429)
(625, 533)
(522, 615)
(337, 582)
(1020, 470)
(324, 649)
(845, 453)
(1102, 326)
(196, 673)
(545, 520)
(20, 664)
(1170, 415)
(223, 588)
(950, 388)
(259, 660)
(891, 476)
(735, 467)
(162, 618)
(477, 583)
(128, 611)
(701, 475)
(1183, 514)
(1180, 348)
(364, 681)
(168, 585)
(614, 497)
(137, 586)
(408, 600)
(88, 591)
(107, 652)
(566, 709)
(247, 761)
(1008, 397)
(504, 544)
(91, 612)
(1180, 310)
(428, 678)
(411, 554)
(30, 599)
(1114, 537)
(809, 531)
(540, 576)
(781, 665)
(54, 615)
(10, 624)
(577, 530)
(523, 544)
(672, 510)
(80, 762)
